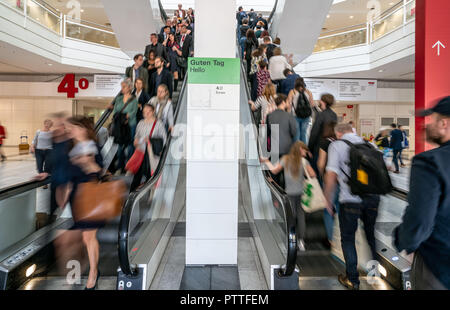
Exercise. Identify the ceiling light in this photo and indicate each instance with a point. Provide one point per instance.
(82, 10)
(50, 64)
(351, 16)
(328, 16)
(381, 70)
(391, 3)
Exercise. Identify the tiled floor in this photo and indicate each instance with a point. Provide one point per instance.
(17, 169)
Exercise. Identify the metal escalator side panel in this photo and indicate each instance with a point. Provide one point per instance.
(149, 204)
(278, 209)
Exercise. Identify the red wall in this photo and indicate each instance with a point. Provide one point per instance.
(432, 71)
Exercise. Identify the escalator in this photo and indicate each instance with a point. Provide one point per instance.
(26, 245)
(154, 215)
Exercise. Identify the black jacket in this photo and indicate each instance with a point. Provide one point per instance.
(425, 227)
(166, 78)
(187, 45)
(143, 74)
(396, 139)
(143, 99)
(269, 52)
(160, 50)
(324, 117)
(250, 46)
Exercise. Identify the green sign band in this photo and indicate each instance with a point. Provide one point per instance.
(214, 70)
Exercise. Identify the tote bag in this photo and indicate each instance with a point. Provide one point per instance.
(312, 198)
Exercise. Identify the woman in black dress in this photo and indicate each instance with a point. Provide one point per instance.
(85, 166)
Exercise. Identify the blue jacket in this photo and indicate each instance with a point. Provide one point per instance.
(396, 139)
(288, 84)
(426, 222)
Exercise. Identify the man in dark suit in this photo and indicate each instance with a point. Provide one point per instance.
(164, 35)
(160, 76)
(396, 145)
(138, 71)
(425, 229)
(160, 50)
(186, 47)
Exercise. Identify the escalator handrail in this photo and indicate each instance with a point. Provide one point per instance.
(125, 218)
(21, 188)
(105, 115)
(281, 196)
(269, 20)
(164, 16)
(24, 187)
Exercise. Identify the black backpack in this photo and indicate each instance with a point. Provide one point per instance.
(303, 109)
(368, 172)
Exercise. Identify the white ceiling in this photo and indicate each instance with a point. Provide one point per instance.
(16, 60)
(340, 13)
(402, 69)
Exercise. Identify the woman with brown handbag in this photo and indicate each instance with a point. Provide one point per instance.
(86, 165)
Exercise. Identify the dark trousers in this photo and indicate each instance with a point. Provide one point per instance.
(43, 160)
(296, 202)
(396, 155)
(349, 213)
(144, 171)
(422, 278)
(254, 88)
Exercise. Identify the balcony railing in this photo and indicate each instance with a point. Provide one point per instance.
(44, 14)
(364, 34)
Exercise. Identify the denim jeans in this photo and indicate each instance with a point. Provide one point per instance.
(349, 213)
(302, 130)
(328, 219)
(43, 160)
(395, 158)
(242, 45)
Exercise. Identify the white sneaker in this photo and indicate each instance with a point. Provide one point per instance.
(301, 245)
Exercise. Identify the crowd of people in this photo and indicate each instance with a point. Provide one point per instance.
(310, 141)
(151, 81)
(68, 150)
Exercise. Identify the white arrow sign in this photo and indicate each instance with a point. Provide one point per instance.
(439, 45)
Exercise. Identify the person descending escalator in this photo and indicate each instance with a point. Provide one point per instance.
(150, 138)
(292, 165)
(163, 107)
(85, 166)
(123, 128)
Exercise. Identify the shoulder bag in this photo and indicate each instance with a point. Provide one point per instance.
(312, 198)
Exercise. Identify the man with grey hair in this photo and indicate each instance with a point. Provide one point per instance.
(351, 207)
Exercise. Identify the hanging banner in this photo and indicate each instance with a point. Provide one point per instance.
(344, 89)
(107, 85)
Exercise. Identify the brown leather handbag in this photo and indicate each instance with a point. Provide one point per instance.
(99, 201)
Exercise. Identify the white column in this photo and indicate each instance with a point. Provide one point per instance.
(213, 137)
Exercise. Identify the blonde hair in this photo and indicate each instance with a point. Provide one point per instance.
(269, 91)
(277, 51)
(294, 158)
